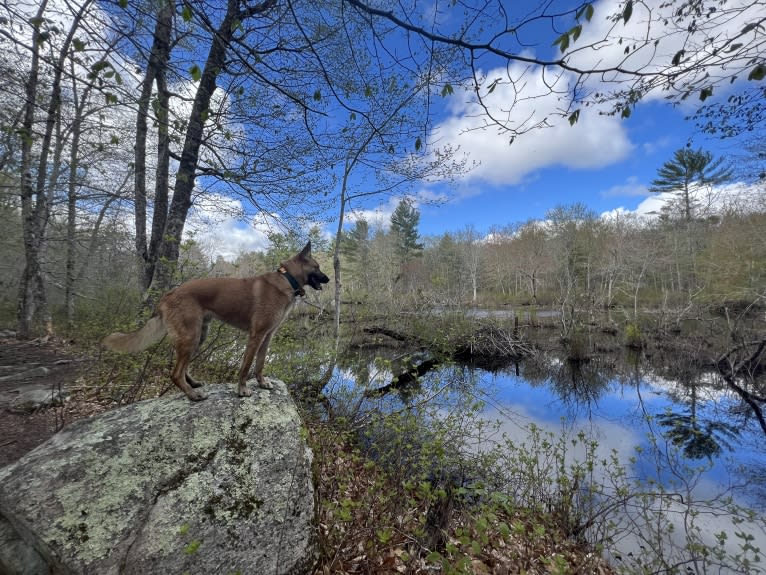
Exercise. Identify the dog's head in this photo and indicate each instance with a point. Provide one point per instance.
(310, 268)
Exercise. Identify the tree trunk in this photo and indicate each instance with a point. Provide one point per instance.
(35, 199)
(155, 70)
(169, 245)
(336, 251)
(74, 164)
(26, 301)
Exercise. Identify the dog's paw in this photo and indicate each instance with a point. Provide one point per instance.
(196, 395)
(243, 391)
(265, 384)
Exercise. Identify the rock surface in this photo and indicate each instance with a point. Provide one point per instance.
(166, 486)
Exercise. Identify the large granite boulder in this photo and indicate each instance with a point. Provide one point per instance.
(166, 486)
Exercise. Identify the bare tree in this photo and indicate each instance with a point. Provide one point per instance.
(37, 193)
(635, 49)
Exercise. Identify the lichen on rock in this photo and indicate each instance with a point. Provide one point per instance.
(171, 486)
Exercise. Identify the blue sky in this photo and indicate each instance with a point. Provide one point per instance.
(617, 180)
(603, 161)
(654, 132)
(651, 134)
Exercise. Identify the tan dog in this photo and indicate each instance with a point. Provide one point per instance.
(257, 305)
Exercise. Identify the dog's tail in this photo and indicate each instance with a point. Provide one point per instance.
(136, 341)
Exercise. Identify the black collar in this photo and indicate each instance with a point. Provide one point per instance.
(297, 289)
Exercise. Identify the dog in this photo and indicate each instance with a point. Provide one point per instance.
(257, 304)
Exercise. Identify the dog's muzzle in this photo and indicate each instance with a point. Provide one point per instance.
(316, 279)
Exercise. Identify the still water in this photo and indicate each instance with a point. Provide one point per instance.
(666, 420)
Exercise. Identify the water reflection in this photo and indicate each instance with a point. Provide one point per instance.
(671, 423)
(665, 403)
(697, 438)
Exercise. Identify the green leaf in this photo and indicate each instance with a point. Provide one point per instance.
(734, 47)
(492, 86)
(748, 28)
(418, 144)
(627, 12)
(318, 95)
(576, 31)
(573, 117)
(589, 10)
(110, 98)
(677, 58)
(447, 90)
(367, 91)
(186, 13)
(98, 66)
(78, 44)
(196, 73)
(123, 4)
(705, 93)
(626, 112)
(757, 73)
(562, 41)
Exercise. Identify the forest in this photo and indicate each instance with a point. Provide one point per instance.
(124, 121)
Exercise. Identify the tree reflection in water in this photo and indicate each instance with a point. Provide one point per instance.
(697, 438)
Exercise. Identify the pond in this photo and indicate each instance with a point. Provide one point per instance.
(666, 421)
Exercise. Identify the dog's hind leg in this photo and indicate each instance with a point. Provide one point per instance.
(203, 335)
(186, 332)
(193, 382)
(184, 350)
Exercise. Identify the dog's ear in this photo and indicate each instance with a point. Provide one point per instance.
(306, 251)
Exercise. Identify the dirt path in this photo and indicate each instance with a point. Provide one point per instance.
(38, 382)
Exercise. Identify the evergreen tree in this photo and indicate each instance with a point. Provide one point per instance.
(404, 226)
(688, 170)
(355, 243)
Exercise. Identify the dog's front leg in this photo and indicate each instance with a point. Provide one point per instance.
(253, 344)
(260, 360)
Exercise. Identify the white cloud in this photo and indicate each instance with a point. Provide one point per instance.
(526, 96)
(380, 216)
(651, 38)
(632, 187)
(218, 224)
(593, 142)
(661, 144)
(737, 196)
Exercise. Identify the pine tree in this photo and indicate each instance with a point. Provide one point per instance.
(355, 243)
(404, 226)
(688, 170)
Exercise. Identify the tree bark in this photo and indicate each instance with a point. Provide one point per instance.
(155, 70)
(35, 198)
(74, 165)
(215, 64)
(26, 300)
